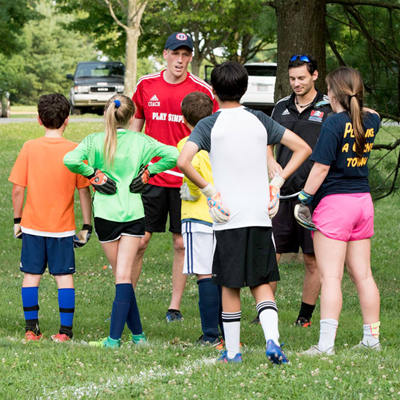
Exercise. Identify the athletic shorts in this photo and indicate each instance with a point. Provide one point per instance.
(159, 202)
(39, 251)
(244, 257)
(198, 240)
(110, 231)
(289, 236)
(345, 217)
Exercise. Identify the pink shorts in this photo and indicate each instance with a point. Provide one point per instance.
(346, 217)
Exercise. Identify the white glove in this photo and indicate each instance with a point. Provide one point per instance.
(186, 195)
(274, 191)
(218, 212)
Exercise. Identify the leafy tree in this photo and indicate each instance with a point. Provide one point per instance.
(114, 25)
(13, 16)
(49, 52)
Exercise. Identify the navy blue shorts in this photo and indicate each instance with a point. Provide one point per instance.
(39, 251)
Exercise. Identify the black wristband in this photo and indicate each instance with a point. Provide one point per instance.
(91, 175)
(87, 227)
(17, 220)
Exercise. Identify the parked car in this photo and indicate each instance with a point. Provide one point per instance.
(4, 104)
(261, 87)
(94, 83)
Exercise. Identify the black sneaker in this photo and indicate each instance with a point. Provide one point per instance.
(255, 321)
(303, 322)
(216, 342)
(173, 315)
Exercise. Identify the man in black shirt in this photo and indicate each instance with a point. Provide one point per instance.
(302, 112)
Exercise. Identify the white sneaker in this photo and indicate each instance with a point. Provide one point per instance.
(363, 346)
(315, 351)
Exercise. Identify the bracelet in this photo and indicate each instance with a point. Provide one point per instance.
(17, 220)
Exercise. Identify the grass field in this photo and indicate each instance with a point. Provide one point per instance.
(172, 366)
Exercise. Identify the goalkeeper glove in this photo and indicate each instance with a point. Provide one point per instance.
(83, 236)
(139, 183)
(305, 197)
(274, 191)
(186, 195)
(303, 217)
(17, 228)
(218, 212)
(102, 183)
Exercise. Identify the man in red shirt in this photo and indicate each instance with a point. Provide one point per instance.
(158, 100)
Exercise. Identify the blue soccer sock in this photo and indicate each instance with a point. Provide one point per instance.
(120, 310)
(30, 304)
(209, 306)
(133, 320)
(66, 304)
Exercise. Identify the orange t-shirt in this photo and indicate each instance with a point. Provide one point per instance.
(49, 206)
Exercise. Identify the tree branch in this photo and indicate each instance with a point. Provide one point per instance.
(389, 116)
(374, 3)
(110, 7)
(333, 47)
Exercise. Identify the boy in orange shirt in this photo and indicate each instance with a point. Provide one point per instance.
(47, 222)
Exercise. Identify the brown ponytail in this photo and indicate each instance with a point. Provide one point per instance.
(347, 86)
(118, 112)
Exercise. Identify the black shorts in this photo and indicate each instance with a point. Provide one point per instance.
(159, 202)
(110, 231)
(289, 236)
(244, 257)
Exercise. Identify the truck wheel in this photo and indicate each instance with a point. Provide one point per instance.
(75, 111)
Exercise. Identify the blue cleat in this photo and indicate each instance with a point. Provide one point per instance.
(275, 354)
(225, 359)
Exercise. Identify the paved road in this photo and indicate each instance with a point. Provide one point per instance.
(72, 120)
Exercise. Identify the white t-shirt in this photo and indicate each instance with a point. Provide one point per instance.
(237, 139)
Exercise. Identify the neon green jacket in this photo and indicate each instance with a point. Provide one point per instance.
(133, 150)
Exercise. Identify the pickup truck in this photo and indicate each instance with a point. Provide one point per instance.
(94, 83)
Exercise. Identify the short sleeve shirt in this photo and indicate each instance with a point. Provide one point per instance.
(159, 103)
(237, 139)
(335, 147)
(49, 207)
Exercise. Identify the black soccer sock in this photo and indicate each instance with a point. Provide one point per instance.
(33, 326)
(306, 310)
(66, 330)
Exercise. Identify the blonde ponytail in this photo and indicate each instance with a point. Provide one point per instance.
(118, 112)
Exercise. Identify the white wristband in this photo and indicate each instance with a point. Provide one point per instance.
(277, 181)
(209, 191)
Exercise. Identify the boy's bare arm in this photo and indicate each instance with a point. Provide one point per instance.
(86, 204)
(18, 193)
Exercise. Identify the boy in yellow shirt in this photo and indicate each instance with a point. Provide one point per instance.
(197, 226)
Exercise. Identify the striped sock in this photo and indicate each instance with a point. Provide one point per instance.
(231, 322)
(371, 334)
(66, 303)
(268, 315)
(30, 300)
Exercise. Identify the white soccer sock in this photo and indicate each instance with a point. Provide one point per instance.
(231, 322)
(327, 333)
(371, 334)
(268, 316)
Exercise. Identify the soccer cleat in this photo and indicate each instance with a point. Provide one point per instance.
(215, 343)
(222, 344)
(139, 339)
(303, 322)
(32, 336)
(225, 359)
(173, 315)
(255, 321)
(60, 337)
(315, 351)
(275, 354)
(106, 343)
(362, 346)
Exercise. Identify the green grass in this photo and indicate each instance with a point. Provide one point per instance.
(171, 367)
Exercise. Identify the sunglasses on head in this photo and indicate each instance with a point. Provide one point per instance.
(301, 57)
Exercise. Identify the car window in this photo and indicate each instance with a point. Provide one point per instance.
(100, 70)
(264, 70)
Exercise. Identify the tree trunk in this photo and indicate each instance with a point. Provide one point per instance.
(135, 12)
(196, 64)
(301, 29)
